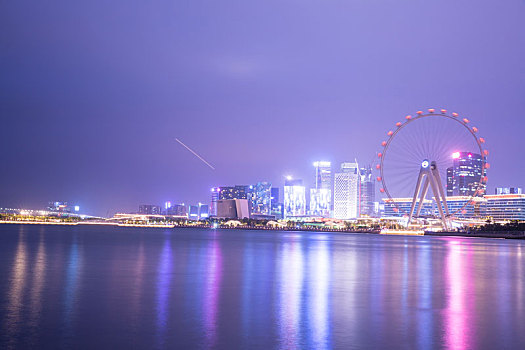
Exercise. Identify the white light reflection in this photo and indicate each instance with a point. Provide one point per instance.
(290, 295)
(39, 271)
(74, 269)
(319, 288)
(213, 285)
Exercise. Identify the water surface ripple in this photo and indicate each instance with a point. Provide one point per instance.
(87, 287)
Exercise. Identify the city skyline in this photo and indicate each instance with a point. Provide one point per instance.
(92, 112)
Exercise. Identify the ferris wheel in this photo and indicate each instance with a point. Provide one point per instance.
(432, 151)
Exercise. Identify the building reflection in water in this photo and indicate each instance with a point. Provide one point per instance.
(456, 327)
(319, 294)
(212, 289)
(15, 295)
(37, 284)
(424, 304)
(73, 274)
(163, 291)
(290, 294)
(137, 288)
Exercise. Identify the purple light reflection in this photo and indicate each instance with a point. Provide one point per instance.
(163, 289)
(456, 327)
(213, 285)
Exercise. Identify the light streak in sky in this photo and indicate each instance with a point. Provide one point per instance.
(195, 154)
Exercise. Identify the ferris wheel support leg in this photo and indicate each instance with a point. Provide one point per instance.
(414, 199)
(435, 172)
(438, 202)
(423, 195)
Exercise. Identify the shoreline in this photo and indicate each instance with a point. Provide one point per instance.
(492, 234)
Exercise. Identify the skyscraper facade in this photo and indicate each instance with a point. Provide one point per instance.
(321, 195)
(234, 192)
(262, 198)
(294, 198)
(367, 192)
(347, 191)
(277, 206)
(215, 191)
(464, 176)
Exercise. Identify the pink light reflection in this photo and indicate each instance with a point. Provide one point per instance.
(456, 313)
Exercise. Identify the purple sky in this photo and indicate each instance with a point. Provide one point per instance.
(93, 94)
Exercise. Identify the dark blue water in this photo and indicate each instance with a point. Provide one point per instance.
(118, 288)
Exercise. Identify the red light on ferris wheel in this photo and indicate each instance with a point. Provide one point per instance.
(383, 143)
(431, 110)
(408, 117)
(486, 152)
(378, 166)
(382, 190)
(466, 121)
(419, 112)
(390, 133)
(398, 124)
(378, 178)
(443, 111)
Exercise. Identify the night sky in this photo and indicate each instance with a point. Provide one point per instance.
(93, 94)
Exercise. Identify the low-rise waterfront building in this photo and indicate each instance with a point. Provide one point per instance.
(506, 207)
(233, 209)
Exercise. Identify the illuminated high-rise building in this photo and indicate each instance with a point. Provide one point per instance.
(261, 198)
(346, 191)
(215, 191)
(277, 206)
(294, 198)
(323, 175)
(234, 192)
(321, 195)
(465, 174)
(367, 192)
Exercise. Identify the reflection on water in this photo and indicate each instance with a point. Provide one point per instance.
(104, 287)
(73, 275)
(38, 280)
(163, 289)
(212, 291)
(15, 295)
(319, 295)
(290, 293)
(456, 323)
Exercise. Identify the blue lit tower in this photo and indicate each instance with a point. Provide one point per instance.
(262, 199)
